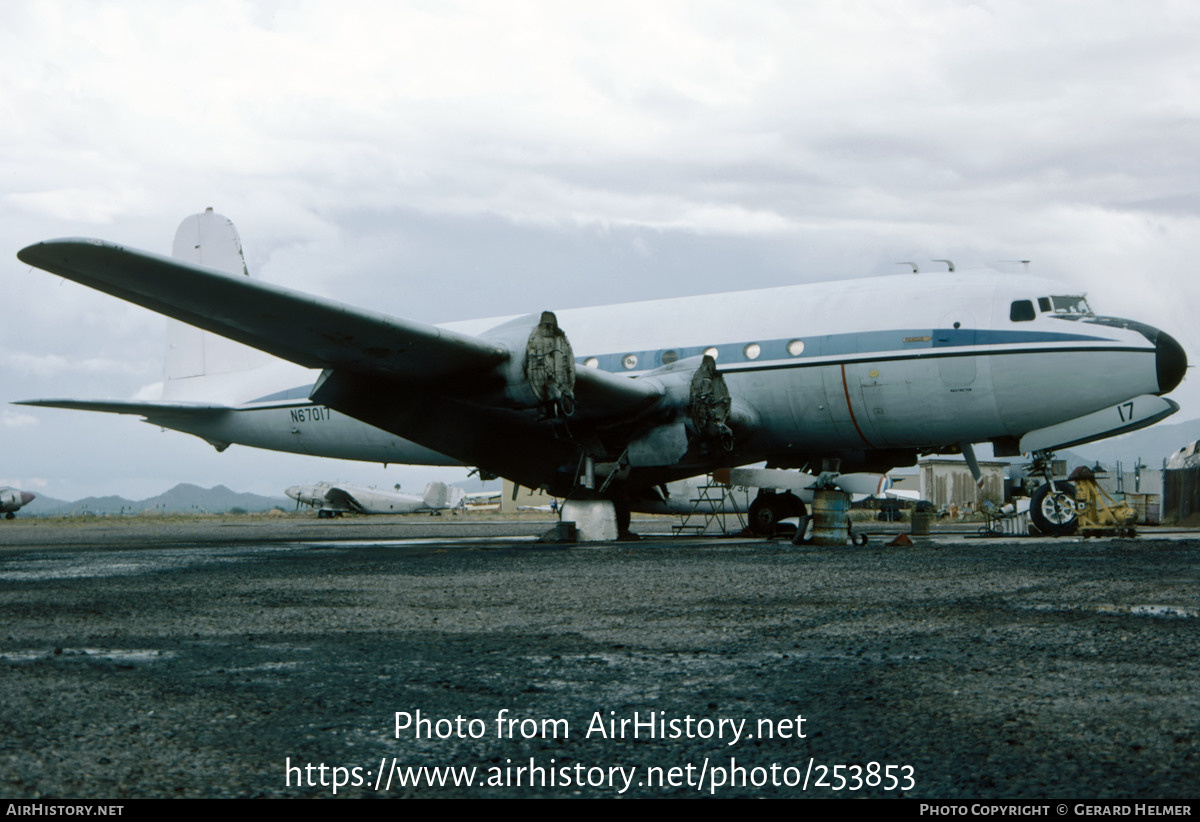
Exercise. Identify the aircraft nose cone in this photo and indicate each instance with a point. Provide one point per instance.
(1170, 362)
(27, 497)
(293, 492)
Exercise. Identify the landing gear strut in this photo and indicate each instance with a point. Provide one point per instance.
(595, 518)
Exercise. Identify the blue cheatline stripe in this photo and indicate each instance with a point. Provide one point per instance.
(892, 344)
(819, 350)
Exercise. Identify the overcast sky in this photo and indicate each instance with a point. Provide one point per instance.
(448, 160)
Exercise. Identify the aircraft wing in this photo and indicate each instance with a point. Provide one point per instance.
(340, 499)
(310, 331)
(510, 400)
(304, 329)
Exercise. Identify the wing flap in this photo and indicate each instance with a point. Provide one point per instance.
(310, 331)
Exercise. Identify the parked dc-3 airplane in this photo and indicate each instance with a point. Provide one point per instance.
(871, 372)
(334, 498)
(13, 499)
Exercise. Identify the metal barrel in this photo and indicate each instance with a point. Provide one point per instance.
(920, 523)
(831, 520)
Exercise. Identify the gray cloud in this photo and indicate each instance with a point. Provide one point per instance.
(448, 160)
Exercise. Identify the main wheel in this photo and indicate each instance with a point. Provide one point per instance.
(1054, 514)
(768, 509)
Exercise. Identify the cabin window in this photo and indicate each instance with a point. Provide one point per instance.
(1022, 311)
(711, 352)
(752, 351)
(592, 362)
(669, 357)
(629, 361)
(795, 348)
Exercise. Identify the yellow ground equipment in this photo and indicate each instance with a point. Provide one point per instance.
(1099, 514)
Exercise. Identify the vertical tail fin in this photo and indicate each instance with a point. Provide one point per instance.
(439, 495)
(435, 495)
(210, 240)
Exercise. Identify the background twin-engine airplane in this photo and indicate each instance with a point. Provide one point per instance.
(613, 402)
(334, 498)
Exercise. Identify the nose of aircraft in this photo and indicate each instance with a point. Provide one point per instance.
(1170, 362)
(27, 497)
(293, 492)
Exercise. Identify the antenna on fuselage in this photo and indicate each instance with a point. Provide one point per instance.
(947, 262)
(916, 270)
(1022, 262)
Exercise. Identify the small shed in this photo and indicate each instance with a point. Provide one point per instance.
(949, 482)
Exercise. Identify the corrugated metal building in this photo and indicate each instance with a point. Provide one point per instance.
(1181, 492)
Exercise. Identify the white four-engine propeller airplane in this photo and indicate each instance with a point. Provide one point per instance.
(613, 402)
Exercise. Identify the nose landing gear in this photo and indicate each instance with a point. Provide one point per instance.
(1052, 509)
(1052, 506)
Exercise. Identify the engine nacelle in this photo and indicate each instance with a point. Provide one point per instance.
(540, 370)
(710, 404)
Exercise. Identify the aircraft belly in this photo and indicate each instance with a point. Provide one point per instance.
(797, 418)
(909, 403)
(882, 404)
(1067, 384)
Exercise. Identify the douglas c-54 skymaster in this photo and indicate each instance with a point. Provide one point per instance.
(869, 372)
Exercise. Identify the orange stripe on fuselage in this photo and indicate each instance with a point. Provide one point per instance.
(850, 408)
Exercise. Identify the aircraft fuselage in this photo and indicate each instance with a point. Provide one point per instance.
(884, 365)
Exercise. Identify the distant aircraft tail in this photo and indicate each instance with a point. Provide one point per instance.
(439, 495)
(210, 240)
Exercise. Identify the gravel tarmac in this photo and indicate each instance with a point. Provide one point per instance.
(259, 658)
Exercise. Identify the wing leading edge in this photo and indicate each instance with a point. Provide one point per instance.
(310, 331)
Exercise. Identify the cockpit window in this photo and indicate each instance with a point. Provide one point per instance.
(1044, 304)
(1021, 311)
(1071, 305)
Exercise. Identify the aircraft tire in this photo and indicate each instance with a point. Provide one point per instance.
(768, 509)
(1050, 516)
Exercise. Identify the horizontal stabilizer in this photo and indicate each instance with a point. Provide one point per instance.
(310, 331)
(1118, 419)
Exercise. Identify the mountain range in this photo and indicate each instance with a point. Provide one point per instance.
(183, 498)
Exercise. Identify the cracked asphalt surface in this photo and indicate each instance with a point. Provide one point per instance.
(202, 659)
